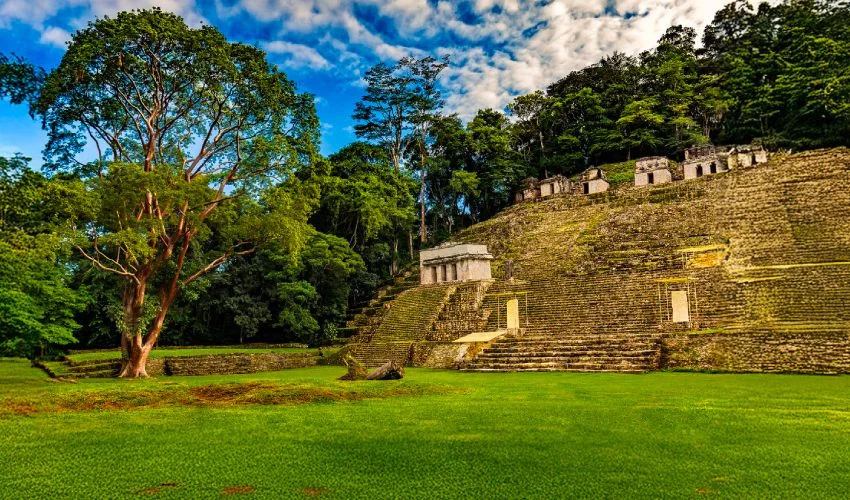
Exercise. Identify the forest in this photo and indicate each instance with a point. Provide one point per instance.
(208, 216)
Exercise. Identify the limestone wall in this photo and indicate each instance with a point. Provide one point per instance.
(595, 186)
(232, 363)
(660, 176)
(759, 352)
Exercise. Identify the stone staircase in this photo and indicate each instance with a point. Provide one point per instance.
(366, 316)
(463, 313)
(96, 368)
(405, 320)
(574, 353)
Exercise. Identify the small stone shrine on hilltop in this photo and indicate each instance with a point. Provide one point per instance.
(703, 160)
(594, 180)
(745, 156)
(528, 191)
(454, 262)
(553, 185)
(652, 170)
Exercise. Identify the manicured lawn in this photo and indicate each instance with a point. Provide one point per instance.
(435, 434)
(162, 353)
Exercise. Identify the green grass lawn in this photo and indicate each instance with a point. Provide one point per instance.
(435, 434)
(163, 353)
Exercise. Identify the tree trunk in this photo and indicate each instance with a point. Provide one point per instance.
(394, 261)
(135, 366)
(422, 232)
(135, 347)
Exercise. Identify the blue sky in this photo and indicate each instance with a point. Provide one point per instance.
(499, 48)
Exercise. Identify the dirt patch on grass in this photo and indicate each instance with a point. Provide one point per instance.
(213, 395)
(238, 490)
(226, 392)
(314, 492)
(21, 408)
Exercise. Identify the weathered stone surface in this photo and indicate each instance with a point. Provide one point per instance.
(652, 170)
(390, 370)
(233, 363)
(356, 371)
(759, 352)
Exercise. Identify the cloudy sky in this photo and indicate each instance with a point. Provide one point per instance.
(498, 48)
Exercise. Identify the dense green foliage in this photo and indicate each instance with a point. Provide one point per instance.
(37, 305)
(434, 434)
(265, 240)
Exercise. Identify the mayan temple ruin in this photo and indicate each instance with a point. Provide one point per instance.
(725, 262)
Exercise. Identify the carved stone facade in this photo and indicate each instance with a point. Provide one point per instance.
(454, 262)
(652, 170)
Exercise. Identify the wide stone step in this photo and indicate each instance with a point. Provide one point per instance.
(98, 374)
(98, 367)
(545, 369)
(546, 356)
(584, 365)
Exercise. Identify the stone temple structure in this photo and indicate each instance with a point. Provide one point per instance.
(529, 190)
(553, 185)
(748, 273)
(707, 160)
(702, 161)
(454, 262)
(745, 156)
(652, 170)
(594, 180)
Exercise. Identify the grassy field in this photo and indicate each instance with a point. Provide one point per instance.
(197, 351)
(435, 434)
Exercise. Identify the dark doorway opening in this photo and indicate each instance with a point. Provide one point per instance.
(650, 178)
(699, 170)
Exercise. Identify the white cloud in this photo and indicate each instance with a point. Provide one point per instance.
(36, 12)
(32, 12)
(565, 35)
(299, 55)
(515, 46)
(55, 36)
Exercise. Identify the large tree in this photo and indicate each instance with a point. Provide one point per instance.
(400, 105)
(188, 128)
